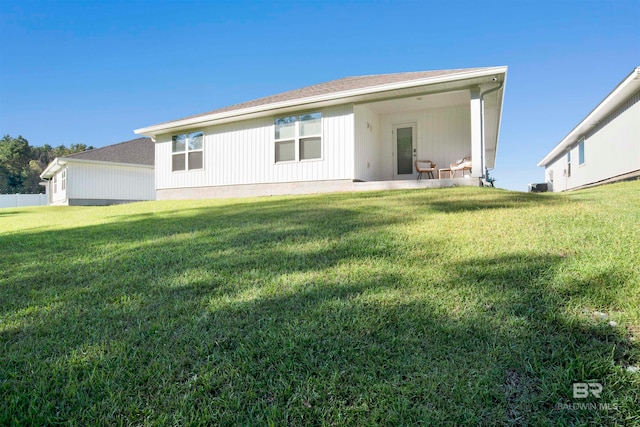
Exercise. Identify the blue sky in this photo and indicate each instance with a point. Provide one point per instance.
(92, 71)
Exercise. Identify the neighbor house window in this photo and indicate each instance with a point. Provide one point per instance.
(187, 151)
(581, 152)
(55, 183)
(569, 163)
(63, 181)
(298, 137)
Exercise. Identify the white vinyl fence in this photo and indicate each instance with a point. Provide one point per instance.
(16, 200)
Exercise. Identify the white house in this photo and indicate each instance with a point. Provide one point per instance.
(604, 147)
(335, 136)
(118, 173)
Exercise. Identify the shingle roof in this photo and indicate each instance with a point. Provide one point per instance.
(336, 86)
(139, 151)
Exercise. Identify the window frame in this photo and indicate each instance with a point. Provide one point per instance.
(569, 163)
(581, 160)
(63, 180)
(186, 151)
(298, 139)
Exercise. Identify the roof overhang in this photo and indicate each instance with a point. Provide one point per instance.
(367, 94)
(60, 162)
(622, 92)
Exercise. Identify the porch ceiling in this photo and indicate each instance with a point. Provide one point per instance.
(420, 102)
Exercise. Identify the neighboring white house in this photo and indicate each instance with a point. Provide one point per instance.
(332, 136)
(118, 173)
(604, 147)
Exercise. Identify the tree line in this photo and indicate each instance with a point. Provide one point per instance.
(21, 164)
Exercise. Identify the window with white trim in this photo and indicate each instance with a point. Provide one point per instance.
(581, 152)
(55, 183)
(298, 137)
(187, 152)
(63, 181)
(568, 171)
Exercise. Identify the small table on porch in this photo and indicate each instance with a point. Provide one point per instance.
(444, 170)
(462, 169)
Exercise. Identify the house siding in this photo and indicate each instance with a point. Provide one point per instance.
(244, 153)
(443, 135)
(611, 149)
(109, 182)
(367, 146)
(59, 196)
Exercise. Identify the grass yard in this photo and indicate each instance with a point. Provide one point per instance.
(463, 306)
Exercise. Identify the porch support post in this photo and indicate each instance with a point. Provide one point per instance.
(477, 155)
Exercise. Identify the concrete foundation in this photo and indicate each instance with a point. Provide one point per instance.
(307, 187)
(98, 202)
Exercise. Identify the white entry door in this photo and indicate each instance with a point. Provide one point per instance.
(404, 150)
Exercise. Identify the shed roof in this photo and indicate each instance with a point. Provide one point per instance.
(139, 151)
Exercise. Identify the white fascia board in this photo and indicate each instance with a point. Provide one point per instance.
(105, 163)
(624, 90)
(344, 96)
(58, 163)
(102, 162)
(52, 168)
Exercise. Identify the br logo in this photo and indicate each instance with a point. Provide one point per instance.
(582, 390)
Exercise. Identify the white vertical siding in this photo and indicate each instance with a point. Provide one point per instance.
(443, 136)
(612, 148)
(110, 182)
(244, 153)
(59, 196)
(367, 143)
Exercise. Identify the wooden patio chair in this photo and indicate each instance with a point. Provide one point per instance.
(424, 166)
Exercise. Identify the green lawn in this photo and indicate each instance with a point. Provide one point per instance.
(463, 306)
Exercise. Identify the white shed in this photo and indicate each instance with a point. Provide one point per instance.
(333, 136)
(602, 148)
(118, 173)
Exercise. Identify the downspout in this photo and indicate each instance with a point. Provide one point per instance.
(482, 94)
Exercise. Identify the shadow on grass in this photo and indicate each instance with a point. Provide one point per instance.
(9, 212)
(498, 199)
(275, 313)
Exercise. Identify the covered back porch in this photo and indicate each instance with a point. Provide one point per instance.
(440, 123)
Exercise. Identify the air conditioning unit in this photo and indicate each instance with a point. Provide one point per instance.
(539, 188)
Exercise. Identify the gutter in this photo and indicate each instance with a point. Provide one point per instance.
(53, 167)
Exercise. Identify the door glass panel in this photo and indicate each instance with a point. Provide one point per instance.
(404, 150)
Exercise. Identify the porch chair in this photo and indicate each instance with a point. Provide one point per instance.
(463, 164)
(424, 166)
